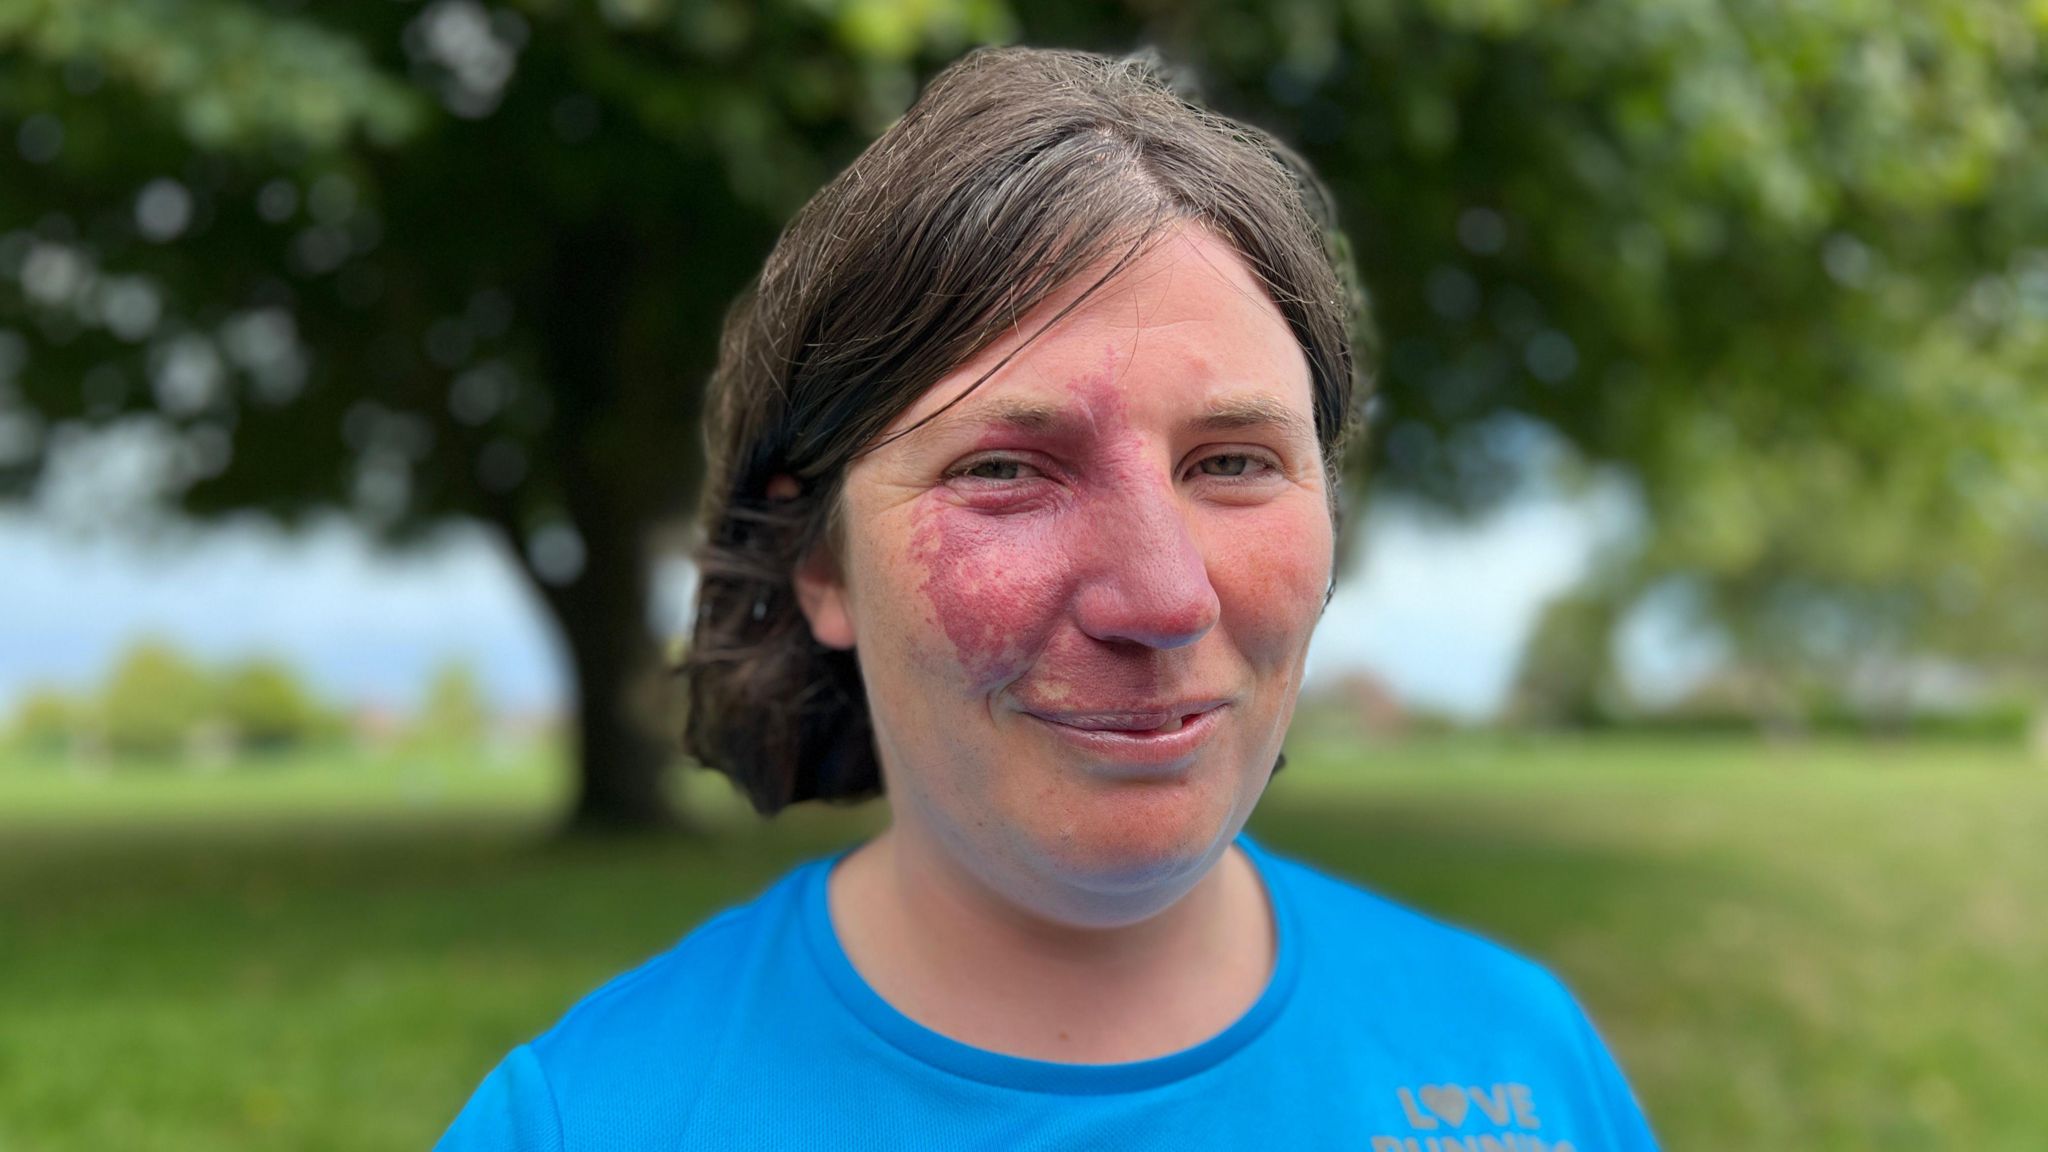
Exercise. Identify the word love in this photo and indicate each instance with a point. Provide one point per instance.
(1453, 1103)
(1508, 1109)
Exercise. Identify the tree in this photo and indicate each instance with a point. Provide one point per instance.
(47, 722)
(153, 701)
(469, 259)
(263, 701)
(424, 261)
(1567, 669)
(1785, 267)
(453, 714)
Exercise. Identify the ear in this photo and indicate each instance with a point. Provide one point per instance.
(820, 590)
(821, 593)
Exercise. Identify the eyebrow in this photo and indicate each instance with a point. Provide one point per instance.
(1021, 415)
(1237, 412)
(1229, 414)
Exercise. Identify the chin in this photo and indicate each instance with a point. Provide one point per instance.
(1161, 847)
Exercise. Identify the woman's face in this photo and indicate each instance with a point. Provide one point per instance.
(1081, 598)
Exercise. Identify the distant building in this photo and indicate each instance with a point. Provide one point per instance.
(376, 726)
(1366, 701)
(524, 728)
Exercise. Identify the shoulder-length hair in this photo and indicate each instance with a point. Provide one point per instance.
(1016, 170)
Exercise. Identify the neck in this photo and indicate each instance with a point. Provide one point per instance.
(961, 959)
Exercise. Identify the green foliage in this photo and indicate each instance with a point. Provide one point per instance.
(267, 707)
(154, 702)
(453, 713)
(157, 703)
(1784, 265)
(47, 722)
(1567, 671)
(224, 75)
(415, 261)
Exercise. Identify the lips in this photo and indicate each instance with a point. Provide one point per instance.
(1114, 744)
(1161, 718)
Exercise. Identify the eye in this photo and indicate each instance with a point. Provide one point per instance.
(995, 469)
(1232, 465)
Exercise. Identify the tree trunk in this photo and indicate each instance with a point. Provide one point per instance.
(617, 416)
(627, 739)
(624, 745)
(621, 759)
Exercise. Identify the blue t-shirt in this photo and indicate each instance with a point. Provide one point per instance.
(1380, 1030)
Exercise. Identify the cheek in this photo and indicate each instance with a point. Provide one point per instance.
(994, 587)
(1271, 572)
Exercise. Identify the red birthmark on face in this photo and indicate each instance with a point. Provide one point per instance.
(991, 593)
(1000, 580)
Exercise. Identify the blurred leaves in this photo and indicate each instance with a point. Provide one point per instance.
(152, 702)
(416, 261)
(267, 706)
(159, 705)
(228, 75)
(1771, 260)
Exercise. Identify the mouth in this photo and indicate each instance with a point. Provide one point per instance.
(1148, 739)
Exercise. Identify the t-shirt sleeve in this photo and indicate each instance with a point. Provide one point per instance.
(513, 1110)
(1628, 1129)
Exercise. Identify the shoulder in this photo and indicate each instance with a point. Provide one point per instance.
(666, 1018)
(625, 1063)
(1455, 1011)
(1382, 949)
(1429, 994)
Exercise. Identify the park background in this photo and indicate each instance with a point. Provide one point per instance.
(1690, 638)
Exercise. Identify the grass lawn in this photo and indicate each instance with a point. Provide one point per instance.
(1825, 946)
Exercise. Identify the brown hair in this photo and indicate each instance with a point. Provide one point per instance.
(1016, 170)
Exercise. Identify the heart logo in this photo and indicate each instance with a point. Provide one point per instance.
(1448, 1101)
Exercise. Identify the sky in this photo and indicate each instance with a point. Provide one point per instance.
(1438, 611)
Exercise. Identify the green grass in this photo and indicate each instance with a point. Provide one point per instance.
(1833, 946)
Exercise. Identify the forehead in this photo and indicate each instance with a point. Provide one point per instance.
(1185, 327)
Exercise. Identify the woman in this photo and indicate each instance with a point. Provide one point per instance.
(1021, 510)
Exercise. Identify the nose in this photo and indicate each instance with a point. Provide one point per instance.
(1150, 583)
